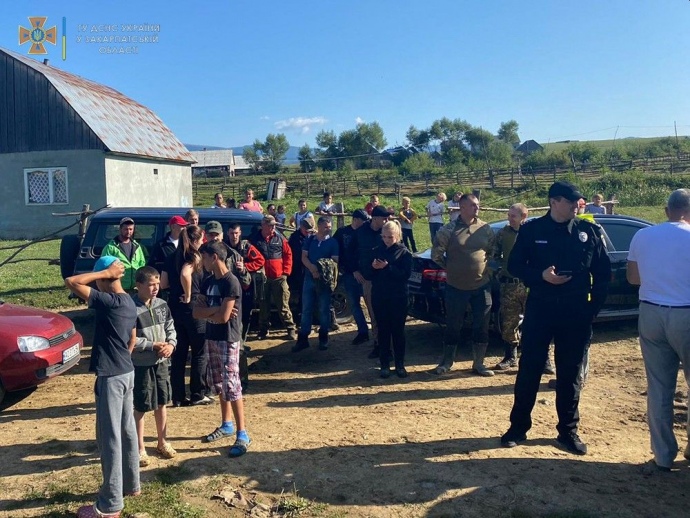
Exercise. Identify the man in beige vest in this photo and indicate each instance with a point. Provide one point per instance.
(463, 249)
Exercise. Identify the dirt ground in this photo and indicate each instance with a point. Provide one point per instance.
(325, 425)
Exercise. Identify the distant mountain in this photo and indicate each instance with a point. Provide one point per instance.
(197, 147)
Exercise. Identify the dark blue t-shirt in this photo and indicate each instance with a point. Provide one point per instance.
(116, 316)
(320, 249)
(215, 291)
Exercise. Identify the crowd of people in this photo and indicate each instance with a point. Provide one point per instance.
(553, 277)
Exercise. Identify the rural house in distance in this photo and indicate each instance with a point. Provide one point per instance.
(66, 141)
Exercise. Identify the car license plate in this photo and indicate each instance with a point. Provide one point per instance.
(416, 277)
(70, 353)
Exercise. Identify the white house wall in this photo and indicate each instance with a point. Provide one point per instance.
(85, 170)
(131, 182)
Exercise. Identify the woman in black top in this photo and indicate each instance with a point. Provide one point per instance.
(392, 267)
(190, 331)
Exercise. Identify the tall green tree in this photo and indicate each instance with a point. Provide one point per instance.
(268, 155)
(508, 133)
(306, 159)
(357, 145)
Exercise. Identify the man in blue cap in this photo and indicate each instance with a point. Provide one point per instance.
(562, 260)
(116, 317)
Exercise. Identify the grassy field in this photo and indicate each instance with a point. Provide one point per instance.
(29, 279)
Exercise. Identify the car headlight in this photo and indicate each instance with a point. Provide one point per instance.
(30, 344)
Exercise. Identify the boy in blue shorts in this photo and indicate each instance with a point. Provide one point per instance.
(219, 303)
(151, 344)
(116, 435)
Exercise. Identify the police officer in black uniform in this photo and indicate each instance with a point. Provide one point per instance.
(562, 260)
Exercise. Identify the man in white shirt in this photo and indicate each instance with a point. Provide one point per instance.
(658, 261)
(454, 207)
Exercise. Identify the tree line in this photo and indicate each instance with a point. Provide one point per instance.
(446, 145)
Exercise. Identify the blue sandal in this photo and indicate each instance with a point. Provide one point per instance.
(240, 447)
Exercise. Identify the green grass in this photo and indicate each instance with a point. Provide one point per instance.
(162, 500)
(29, 279)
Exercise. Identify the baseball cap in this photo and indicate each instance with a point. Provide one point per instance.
(380, 212)
(103, 263)
(268, 220)
(213, 227)
(178, 220)
(126, 221)
(360, 214)
(565, 189)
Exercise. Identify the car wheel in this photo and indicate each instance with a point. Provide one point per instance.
(343, 312)
(69, 250)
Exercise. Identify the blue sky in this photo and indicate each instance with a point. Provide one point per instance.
(224, 73)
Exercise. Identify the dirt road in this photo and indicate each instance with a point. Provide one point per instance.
(324, 424)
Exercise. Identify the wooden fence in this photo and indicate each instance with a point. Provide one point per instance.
(390, 182)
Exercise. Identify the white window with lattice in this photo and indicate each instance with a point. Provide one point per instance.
(47, 185)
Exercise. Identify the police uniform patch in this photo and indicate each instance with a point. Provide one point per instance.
(583, 236)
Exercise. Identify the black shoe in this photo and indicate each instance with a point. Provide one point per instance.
(385, 372)
(401, 372)
(302, 343)
(323, 346)
(375, 353)
(360, 338)
(511, 438)
(572, 443)
(204, 400)
(506, 363)
(178, 404)
(552, 384)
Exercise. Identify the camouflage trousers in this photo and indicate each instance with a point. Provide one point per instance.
(513, 299)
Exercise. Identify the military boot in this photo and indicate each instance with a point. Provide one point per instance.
(448, 358)
(510, 359)
(478, 353)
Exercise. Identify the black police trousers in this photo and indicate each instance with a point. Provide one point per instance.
(568, 322)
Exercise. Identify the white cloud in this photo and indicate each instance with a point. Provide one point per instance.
(359, 120)
(300, 124)
(265, 118)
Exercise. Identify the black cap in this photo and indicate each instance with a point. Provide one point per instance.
(565, 189)
(360, 214)
(126, 221)
(380, 212)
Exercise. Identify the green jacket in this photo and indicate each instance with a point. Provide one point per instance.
(114, 248)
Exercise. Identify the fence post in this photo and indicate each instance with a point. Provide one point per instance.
(511, 178)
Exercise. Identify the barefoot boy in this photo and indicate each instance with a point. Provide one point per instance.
(151, 344)
(116, 435)
(220, 303)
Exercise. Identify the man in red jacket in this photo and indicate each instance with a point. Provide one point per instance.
(278, 266)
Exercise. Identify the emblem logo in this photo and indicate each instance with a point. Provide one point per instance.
(583, 236)
(37, 35)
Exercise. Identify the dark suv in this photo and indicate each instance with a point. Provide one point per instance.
(78, 255)
(427, 282)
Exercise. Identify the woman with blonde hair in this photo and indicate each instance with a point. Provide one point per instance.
(392, 267)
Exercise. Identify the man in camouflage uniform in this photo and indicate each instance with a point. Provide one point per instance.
(513, 291)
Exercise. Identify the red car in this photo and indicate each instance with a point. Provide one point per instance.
(35, 345)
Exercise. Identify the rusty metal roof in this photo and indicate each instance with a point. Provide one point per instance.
(124, 125)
